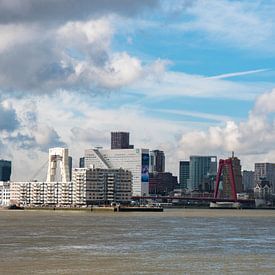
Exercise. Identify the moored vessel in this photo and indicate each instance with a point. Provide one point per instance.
(225, 205)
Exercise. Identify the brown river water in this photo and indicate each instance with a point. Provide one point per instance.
(182, 241)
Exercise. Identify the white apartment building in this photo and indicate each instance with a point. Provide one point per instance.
(96, 186)
(134, 160)
(41, 193)
(4, 193)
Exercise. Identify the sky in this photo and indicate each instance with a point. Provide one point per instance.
(189, 77)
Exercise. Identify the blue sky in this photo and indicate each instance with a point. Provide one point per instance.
(203, 53)
(187, 77)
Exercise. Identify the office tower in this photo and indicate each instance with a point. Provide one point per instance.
(5, 170)
(265, 171)
(157, 161)
(120, 140)
(226, 191)
(134, 160)
(101, 186)
(82, 162)
(201, 168)
(184, 173)
(162, 183)
(248, 181)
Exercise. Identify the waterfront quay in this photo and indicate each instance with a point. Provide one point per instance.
(97, 208)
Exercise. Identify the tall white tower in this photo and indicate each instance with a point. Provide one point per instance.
(61, 155)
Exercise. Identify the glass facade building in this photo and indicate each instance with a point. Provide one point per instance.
(248, 180)
(184, 173)
(201, 168)
(157, 161)
(82, 162)
(5, 170)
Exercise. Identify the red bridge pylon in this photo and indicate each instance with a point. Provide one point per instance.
(223, 163)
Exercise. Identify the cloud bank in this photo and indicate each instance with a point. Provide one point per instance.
(56, 12)
(254, 136)
(51, 45)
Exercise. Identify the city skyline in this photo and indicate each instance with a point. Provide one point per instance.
(154, 164)
(179, 79)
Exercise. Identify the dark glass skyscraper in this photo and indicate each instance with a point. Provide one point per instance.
(82, 162)
(184, 173)
(201, 168)
(5, 170)
(157, 161)
(248, 180)
(70, 162)
(120, 140)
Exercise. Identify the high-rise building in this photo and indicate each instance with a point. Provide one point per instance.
(184, 173)
(5, 170)
(97, 186)
(157, 161)
(265, 171)
(134, 160)
(248, 181)
(201, 168)
(120, 140)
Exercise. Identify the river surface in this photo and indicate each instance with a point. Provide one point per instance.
(182, 241)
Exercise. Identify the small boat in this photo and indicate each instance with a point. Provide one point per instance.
(15, 207)
(225, 205)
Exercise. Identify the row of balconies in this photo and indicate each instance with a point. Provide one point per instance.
(68, 196)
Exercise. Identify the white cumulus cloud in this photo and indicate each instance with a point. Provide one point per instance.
(252, 137)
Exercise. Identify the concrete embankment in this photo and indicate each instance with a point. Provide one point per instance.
(87, 209)
(59, 208)
(100, 209)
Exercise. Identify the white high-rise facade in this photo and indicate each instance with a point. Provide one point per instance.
(134, 160)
